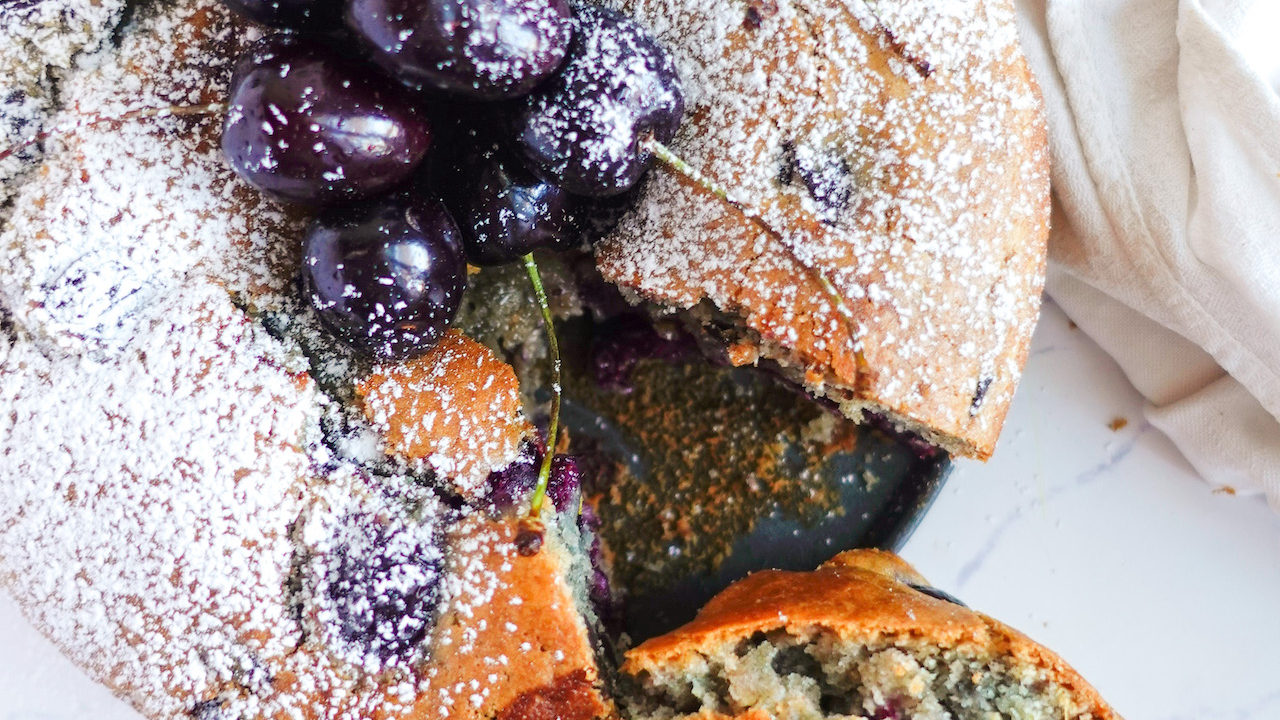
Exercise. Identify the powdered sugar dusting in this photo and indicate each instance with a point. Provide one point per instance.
(164, 448)
(42, 40)
(455, 410)
(582, 127)
(131, 556)
(898, 146)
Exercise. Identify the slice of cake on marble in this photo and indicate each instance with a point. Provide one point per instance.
(862, 637)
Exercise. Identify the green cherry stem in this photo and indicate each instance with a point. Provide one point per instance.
(151, 112)
(544, 472)
(668, 158)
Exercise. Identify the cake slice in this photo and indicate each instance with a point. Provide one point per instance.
(899, 148)
(863, 636)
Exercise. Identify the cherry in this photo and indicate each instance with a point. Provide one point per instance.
(480, 49)
(307, 125)
(292, 14)
(583, 129)
(503, 210)
(386, 277)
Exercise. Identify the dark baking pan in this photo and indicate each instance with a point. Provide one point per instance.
(703, 474)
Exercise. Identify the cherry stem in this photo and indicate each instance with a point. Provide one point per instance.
(544, 472)
(153, 112)
(668, 158)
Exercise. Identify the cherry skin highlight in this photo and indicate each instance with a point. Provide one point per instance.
(308, 126)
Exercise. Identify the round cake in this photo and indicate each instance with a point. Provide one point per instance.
(220, 511)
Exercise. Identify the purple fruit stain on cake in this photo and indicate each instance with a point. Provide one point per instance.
(979, 395)
(599, 590)
(513, 483)
(382, 587)
(510, 487)
(212, 709)
(621, 344)
(825, 175)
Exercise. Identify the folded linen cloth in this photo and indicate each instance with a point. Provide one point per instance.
(1164, 124)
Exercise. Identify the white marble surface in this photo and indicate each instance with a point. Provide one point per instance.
(1101, 544)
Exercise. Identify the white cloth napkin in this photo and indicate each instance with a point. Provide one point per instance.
(1164, 123)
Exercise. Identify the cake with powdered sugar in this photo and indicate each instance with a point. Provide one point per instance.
(898, 146)
(225, 504)
(188, 514)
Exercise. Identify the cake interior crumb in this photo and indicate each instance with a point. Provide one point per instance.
(817, 675)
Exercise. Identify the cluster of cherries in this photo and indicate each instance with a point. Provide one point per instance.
(433, 133)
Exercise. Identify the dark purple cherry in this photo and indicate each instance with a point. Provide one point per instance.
(387, 277)
(599, 588)
(481, 49)
(292, 14)
(307, 125)
(582, 129)
(503, 210)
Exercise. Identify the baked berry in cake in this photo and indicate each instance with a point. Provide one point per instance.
(863, 636)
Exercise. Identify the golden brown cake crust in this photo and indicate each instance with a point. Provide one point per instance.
(863, 596)
(897, 145)
(532, 620)
(455, 408)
